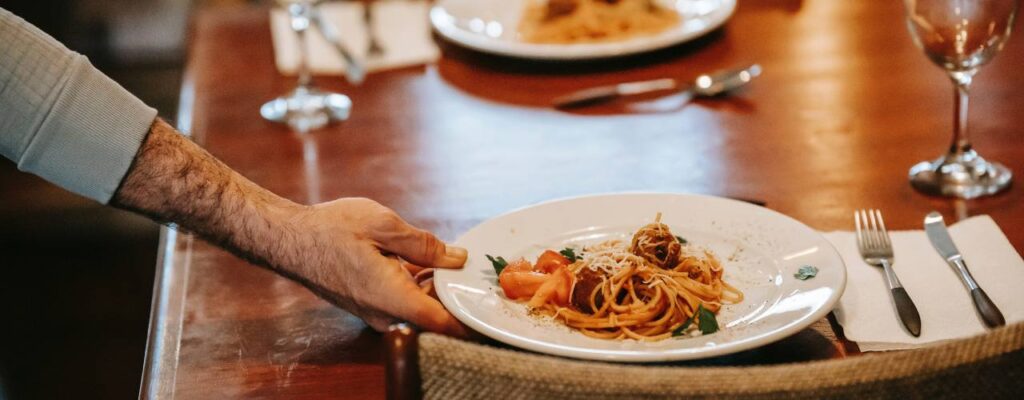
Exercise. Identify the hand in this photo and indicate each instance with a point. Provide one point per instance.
(362, 257)
(355, 253)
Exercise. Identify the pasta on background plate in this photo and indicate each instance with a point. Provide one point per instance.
(581, 21)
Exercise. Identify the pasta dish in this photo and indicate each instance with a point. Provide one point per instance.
(652, 288)
(576, 21)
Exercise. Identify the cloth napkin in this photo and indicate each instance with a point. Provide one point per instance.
(401, 28)
(866, 310)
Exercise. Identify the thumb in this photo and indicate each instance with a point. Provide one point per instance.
(419, 246)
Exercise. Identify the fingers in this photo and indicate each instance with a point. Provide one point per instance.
(416, 245)
(424, 275)
(413, 269)
(400, 297)
(379, 323)
(427, 286)
(434, 318)
(429, 315)
(417, 307)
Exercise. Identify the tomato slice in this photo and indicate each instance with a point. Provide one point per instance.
(520, 265)
(519, 280)
(556, 287)
(550, 261)
(550, 279)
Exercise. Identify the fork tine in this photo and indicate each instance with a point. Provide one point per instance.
(885, 234)
(869, 230)
(860, 234)
(869, 239)
(866, 229)
(875, 232)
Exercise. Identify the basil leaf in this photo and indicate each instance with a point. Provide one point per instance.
(806, 272)
(680, 331)
(498, 263)
(681, 240)
(706, 322)
(569, 253)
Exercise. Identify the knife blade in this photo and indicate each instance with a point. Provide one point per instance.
(938, 235)
(603, 93)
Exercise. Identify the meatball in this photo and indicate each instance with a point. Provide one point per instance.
(561, 8)
(656, 244)
(586, 281)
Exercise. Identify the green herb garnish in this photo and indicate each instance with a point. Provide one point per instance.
(806, 272)
(681, 329)
(569, 253)
(498, 263)
(706, 322)
(680, 239)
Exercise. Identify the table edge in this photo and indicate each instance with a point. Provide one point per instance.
(163, 336)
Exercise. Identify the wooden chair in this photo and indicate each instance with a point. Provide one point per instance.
(989, 366)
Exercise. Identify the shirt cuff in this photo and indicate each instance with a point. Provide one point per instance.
(89, 138)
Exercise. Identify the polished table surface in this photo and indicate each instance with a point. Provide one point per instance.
(845, 106)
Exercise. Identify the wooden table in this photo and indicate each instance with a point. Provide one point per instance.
(845, 106)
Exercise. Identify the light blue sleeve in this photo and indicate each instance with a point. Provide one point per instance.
(61, 118)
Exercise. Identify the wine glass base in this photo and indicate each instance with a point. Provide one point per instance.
(964, 176)
(307, 109)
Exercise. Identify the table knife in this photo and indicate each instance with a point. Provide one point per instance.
(354, 71)
(705, 85)
(935, 227)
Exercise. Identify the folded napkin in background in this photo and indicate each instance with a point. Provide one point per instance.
(402, 29)
(866, 310)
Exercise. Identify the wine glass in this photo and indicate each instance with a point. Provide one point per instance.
(960, 36)
(305, 108)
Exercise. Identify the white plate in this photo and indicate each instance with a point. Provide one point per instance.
(491, 26)
(760, 249)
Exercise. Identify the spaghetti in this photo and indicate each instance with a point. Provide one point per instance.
(649, 289)
(576, 21)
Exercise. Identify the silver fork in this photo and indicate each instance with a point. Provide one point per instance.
(876, 249)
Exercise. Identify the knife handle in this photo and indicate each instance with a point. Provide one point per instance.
(988, 310)
(990, 314)
(907, 310)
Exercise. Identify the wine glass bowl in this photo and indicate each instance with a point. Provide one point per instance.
(960, 36)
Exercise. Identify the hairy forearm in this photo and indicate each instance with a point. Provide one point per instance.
(173, 179)
(85, 136)
(353, 252)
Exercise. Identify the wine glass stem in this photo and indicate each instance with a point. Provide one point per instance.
(305, 78)
(960, 143)
(302, 11)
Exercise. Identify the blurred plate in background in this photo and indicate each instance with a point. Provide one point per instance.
(491, 26)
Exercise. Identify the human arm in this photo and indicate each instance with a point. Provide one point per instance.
(62, 119)
(342, 250)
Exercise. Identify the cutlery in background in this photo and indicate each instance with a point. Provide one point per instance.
(935, 227)
(354, 71)
(374, 49)
(876, 249)
(706, 85)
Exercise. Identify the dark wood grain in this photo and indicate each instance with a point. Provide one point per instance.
(845, 106)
